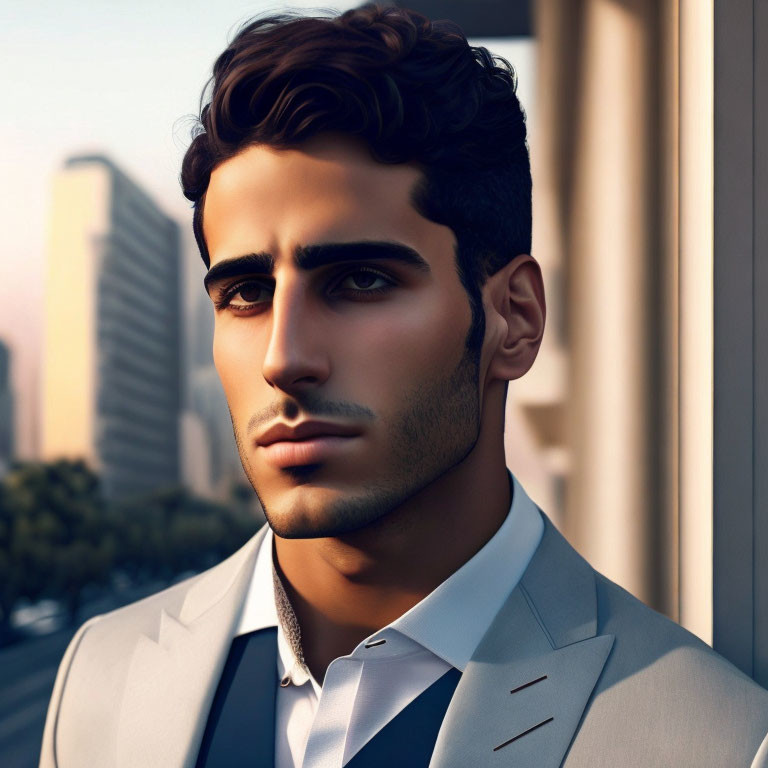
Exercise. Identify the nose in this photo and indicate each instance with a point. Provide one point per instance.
(296, 357)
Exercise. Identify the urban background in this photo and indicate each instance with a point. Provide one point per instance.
(119, 473)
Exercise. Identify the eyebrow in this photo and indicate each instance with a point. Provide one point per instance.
(308, 257)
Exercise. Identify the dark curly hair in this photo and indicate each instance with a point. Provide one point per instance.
(413, 89)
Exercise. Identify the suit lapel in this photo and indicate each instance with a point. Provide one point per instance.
(172, 679)
(522, 695)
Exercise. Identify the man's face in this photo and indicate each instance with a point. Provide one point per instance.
(361, 339)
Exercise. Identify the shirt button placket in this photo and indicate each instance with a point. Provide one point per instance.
(328, 735)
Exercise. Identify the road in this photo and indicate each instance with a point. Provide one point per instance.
(27, 672)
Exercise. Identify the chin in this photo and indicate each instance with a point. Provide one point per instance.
(306, 518)
(302, 526)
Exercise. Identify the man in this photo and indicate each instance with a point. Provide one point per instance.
(363, 202)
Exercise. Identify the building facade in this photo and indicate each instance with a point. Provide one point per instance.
(212, 466)
(111, 347)
(7, 414)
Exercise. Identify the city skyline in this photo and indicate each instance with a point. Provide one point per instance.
(97, 79)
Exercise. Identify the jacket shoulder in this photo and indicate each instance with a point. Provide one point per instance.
(644, 637)
(666, 695)
(85, 704)
(92, 672)
(143, 616)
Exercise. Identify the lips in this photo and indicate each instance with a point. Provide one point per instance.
(309, 442)
(304, 431)
(314, 450)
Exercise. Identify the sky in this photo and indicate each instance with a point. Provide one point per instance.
(121, 78)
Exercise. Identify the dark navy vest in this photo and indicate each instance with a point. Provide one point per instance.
(240, 731)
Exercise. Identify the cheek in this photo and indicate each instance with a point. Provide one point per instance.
(391, 351)
(236, 356)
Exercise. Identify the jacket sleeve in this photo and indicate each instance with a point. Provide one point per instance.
(48, 749)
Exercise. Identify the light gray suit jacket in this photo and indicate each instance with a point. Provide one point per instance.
(573, 672)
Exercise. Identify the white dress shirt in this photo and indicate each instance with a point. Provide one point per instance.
(325, 726)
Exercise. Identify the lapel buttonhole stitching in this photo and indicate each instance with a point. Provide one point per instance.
(524, 733)
(528, 685)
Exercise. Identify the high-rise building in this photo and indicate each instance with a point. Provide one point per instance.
(211, 462)
(6, 409)
(209, 404)
(201, 332)
(111, 347)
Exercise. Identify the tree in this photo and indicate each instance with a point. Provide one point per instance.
(54, 536)
(58, 535)
(168, 532)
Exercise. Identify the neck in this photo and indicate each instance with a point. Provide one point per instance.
(345, 588)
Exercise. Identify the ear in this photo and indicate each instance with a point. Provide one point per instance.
(515, 316)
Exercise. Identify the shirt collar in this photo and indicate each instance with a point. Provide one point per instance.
(259, 609)
(452, 619)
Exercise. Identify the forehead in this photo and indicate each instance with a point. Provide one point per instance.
(330, 189)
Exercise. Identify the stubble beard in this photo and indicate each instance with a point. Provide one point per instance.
(436, 429)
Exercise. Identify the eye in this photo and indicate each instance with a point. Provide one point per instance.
(359, 284)
(363, 282)
(248, 290)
